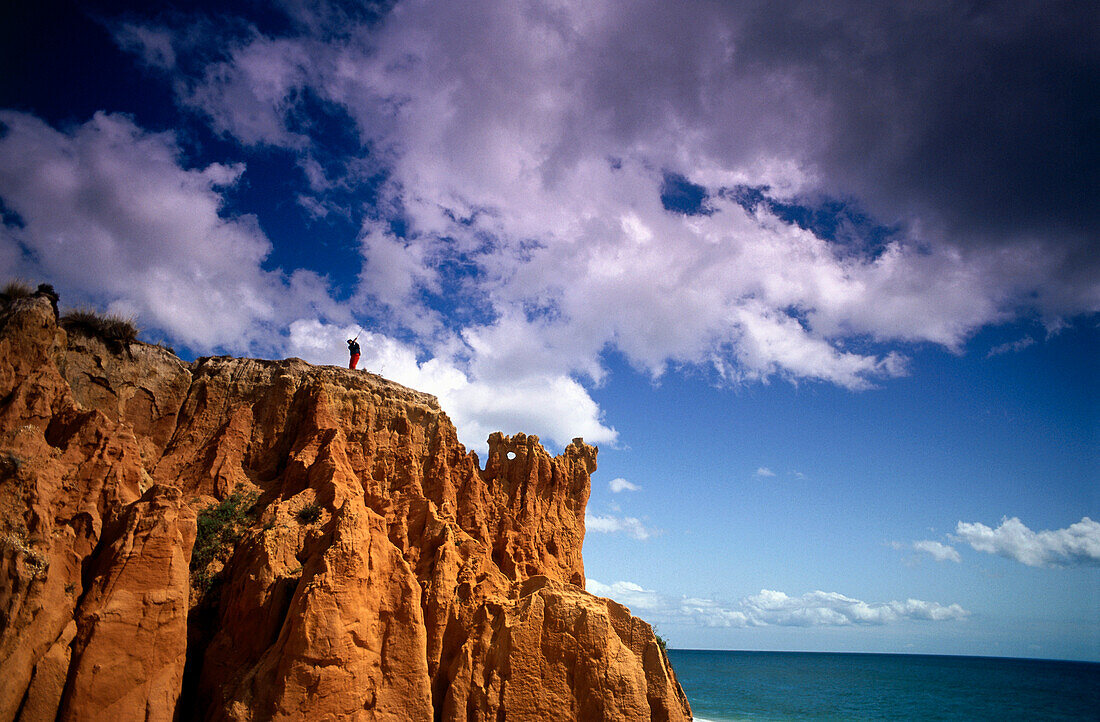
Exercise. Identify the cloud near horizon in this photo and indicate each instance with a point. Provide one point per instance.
(772, 608)
(1076, 545)
(558, 183)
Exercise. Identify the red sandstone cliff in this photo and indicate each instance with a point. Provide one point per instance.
(378, 574)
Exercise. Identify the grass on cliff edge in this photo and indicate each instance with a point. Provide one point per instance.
(13, 291)
(17, 290)
(219, 527)
(115, 331)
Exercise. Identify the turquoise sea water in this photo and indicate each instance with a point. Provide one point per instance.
(774, 686)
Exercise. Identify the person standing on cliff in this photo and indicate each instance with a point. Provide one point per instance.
(353, 349)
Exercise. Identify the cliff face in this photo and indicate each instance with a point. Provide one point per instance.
(373, 569)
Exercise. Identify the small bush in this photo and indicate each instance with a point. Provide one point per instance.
(660, 641)
(309, 513)
(219, 528)
(117, 332)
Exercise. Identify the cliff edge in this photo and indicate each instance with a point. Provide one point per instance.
(238, 539)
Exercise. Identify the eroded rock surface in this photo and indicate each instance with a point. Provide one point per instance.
(379, 574)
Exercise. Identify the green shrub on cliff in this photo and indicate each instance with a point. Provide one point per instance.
(660, 641)
(219, 527)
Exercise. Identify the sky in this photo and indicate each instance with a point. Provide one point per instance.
(821, 280)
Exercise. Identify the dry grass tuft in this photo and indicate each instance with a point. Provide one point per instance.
(115, 331)
(13, 291)
(309, 513)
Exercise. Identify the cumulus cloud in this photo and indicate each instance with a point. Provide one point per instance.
(609, 524)
(620, 484)
(628, 593)
(531, 148)
(832, 609)
(765, 472)
(1078, 544)
(773, 608)
(557, 406)
(109, 214)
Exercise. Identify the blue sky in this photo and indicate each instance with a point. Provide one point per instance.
(822, 283)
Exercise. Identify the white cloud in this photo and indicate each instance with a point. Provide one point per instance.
(620, 484)
(939, 551)
(773, 608)
(248, 95)
(500, 158)
(1078, 544)
(628, 593)
(832, 609)
(1011, 347)
(764, 471)
(608, 524)
(394, 272)
(557, 407)
(110, 216)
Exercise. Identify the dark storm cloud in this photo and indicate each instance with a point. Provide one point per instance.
(970, 125)
(982, 120)
(982, 115)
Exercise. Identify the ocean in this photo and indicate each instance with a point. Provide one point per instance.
(779, 686)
